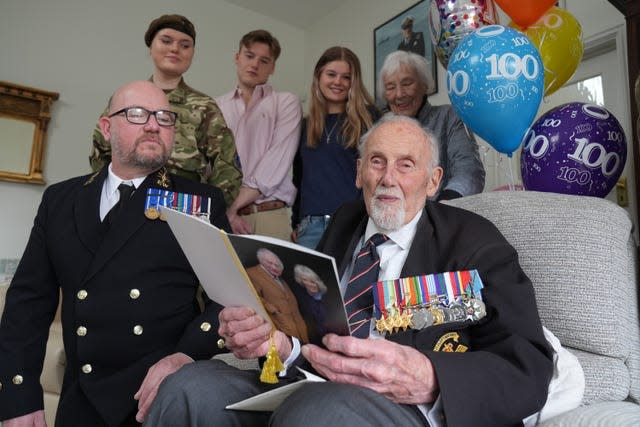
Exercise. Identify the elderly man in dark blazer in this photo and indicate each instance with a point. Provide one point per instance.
(490, 370)
(129, 309)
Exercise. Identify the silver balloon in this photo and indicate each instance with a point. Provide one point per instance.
(451, 20)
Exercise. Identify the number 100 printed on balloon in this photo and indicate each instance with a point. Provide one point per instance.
(575, 148)
(495, 82)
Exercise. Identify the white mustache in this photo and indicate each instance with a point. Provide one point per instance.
(388, 191)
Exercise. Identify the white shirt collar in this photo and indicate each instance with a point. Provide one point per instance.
(113, 181)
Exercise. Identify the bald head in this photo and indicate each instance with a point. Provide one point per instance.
(138, 149)
(137, 90)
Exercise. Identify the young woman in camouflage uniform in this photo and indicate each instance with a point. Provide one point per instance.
(204, 148)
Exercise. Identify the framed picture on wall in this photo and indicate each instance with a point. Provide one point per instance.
(409, 30)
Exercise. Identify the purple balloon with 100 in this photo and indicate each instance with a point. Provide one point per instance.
(575, 148)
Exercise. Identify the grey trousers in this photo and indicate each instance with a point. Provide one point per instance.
(197, 394)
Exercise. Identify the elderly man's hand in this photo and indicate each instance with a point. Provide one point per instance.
(399, 372)
(246, 334)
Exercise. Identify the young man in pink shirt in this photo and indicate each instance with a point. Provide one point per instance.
(266, 127)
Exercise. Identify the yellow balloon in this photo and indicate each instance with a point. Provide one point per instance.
(558, 37)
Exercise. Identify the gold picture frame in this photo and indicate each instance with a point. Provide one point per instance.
(24, 116)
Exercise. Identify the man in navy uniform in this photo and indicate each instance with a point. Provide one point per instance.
(412, 41)
(489, 370)
(130, 311)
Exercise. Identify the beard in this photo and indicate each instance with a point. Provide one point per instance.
(385, 216)
(133, 158)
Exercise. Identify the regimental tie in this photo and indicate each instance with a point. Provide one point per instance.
(126, 191)
(358, 298)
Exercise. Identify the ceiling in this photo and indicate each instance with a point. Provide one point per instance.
(299, 13)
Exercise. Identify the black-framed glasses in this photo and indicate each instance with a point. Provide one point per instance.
(140, 116)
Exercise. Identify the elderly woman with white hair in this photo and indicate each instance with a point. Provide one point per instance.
(405, 80)
(310, 299)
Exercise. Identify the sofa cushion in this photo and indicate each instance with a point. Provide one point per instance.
(605, 414)
(597, 367)
(579, 255)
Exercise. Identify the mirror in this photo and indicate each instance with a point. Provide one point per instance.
(24, 117)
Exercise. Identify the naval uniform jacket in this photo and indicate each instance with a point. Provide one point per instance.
(415, 43)
(503, 375)
(129, 286)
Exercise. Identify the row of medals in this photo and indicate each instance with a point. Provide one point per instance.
(153, 213)
(433, 313)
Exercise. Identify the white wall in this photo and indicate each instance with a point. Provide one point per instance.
(86, 49)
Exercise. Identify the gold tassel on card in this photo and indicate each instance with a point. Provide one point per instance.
(272, 365)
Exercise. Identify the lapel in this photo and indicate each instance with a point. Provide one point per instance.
(86, 211)
(127, 223)
(355, 238)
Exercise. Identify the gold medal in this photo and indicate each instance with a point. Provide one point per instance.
(438, 315)
(406, 320)
(397, 322)
(388, 324)
(152, 213)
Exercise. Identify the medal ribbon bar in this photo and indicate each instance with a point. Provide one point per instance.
(421, 301)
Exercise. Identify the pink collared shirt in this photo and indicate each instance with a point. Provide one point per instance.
(267, 133)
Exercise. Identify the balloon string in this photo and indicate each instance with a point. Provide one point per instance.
(510, 175)
(508, 171)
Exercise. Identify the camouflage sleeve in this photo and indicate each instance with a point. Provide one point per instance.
(101, 149)
(221, 154)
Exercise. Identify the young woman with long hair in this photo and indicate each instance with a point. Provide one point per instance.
(324, 170)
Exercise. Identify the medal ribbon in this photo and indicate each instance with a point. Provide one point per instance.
(392, 297)
(188, 203)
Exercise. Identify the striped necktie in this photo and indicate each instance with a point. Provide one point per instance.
(358, 297)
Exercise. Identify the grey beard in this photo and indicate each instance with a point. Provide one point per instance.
(133, 159)
(386, 218)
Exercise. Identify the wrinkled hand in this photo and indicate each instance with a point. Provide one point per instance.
(239, 225)
(246, 334)
(155, 375)
(34, 419)
(294, 234)
(401, 373)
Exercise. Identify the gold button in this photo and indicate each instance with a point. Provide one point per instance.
(82, 294)
(138, 330)
(81, 331)
(17, 380)
(205, 326)
(134, 293)
(87, 368)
